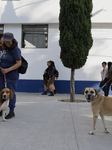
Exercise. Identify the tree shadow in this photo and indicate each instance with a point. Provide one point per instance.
(9, 14)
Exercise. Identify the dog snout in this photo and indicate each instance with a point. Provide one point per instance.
(89, 95)
(4, 96)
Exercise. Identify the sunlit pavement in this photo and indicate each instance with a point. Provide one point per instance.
(46, 123)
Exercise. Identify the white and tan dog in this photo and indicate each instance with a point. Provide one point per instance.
(100, 105)
(5, 95)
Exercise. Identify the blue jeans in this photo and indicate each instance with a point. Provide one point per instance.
(107, 87)
(11, 84)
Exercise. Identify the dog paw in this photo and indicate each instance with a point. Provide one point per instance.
(4, 120)
(91, 133)
(107, 131)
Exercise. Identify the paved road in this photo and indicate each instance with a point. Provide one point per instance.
(45, 123)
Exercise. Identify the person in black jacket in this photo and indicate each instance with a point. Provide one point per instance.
(49, 78)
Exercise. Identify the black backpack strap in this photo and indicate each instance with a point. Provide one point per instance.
(23, 68)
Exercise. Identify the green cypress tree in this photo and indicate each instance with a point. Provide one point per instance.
(75, 35)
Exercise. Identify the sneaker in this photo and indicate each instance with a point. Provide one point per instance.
(51, 94)
(10, 115)
(45, 93)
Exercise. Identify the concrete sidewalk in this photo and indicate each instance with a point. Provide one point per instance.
(45, 123)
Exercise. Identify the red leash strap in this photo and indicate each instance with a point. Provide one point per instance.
(4, 79)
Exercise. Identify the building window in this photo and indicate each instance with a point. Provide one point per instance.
(34, 36)
(1, 30)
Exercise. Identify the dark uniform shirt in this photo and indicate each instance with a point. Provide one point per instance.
(6, 61)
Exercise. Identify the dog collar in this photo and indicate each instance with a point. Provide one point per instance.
(96, 96)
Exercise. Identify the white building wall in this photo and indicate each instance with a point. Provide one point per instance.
(16, 29)
(100, 51)
(38, 57)
(102, 11)
(29, 11)
(42, 11)
(15, 13)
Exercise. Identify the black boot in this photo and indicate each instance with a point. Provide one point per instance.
(10, 115)
(55, 91)
(1, 113)
(45, 93)
(51, 94)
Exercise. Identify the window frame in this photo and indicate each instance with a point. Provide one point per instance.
(36, 25)
(2, 25)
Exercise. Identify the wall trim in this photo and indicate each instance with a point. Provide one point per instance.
(62, 86)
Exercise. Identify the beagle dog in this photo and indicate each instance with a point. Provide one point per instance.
(100, 104)
(5, 95)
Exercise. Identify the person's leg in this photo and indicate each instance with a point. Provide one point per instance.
(45, 90)
(55, 91)
(2, 86)
(11, 85)
(45, 79)
(51, 86)
(107, 88)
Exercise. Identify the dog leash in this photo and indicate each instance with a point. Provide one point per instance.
(4, 79)
(101, 88)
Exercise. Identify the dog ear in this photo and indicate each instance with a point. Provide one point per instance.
(96, 91)
(11, 94)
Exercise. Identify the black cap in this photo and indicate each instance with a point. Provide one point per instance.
(8, 37)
